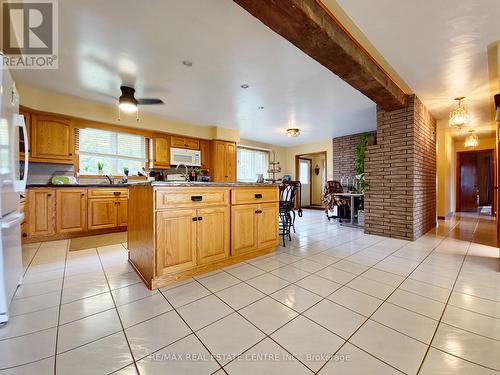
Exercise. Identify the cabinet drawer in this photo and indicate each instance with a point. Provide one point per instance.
(254, 195)
(187, 197)
(181, 142)
(108, 193)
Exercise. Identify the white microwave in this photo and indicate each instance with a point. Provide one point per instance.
(191, 158)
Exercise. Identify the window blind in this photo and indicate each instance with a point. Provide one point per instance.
(251, 162)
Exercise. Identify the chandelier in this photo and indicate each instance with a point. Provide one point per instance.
(459, 116)
(293, 132)
(472, 140)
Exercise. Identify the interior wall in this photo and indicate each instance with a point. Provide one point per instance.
(310, 148)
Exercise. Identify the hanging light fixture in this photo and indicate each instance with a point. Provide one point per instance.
(459, 116)
(293, 132)
(472, 140)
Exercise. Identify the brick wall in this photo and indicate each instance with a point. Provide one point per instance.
(344, 155)
(401, 173)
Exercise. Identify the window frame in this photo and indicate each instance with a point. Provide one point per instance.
(255, 149)
(147, 150)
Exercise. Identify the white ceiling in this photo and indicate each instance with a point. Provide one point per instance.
(439, 47)
(143, 43)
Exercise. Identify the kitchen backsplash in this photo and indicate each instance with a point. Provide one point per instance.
(40, 173)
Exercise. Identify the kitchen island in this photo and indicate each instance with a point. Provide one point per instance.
(178, 230)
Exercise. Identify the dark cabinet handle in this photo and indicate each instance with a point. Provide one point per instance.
(258, 211)
(200, 218)
(83, 194)
(25, 235)
(196, 198)
(258, 196)
(117, 193)
(195, 219)
(49, 195)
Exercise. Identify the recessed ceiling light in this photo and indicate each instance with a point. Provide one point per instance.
(187, 63)
(293, 132)
(245, 86)
(261, 107)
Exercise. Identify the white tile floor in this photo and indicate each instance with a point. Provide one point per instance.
(333, 301)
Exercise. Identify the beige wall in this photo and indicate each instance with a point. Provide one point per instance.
(447, 150)
(310, 148)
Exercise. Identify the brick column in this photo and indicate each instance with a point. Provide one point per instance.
(401, 173)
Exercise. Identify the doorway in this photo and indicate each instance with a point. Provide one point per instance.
(310, 170)
(475, 181)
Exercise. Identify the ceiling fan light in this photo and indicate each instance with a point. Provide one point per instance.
(127, 105)
(293, 132)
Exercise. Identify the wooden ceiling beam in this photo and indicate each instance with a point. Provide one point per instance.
(311, 27)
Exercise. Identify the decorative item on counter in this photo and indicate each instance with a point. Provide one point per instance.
(260, 178)
(195, 172)
(287, 177)
(125, 175)
(274, 168)
(316, 170)
(100, 168)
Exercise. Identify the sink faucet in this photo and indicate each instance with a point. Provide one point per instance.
(186, 175)
(110, 178)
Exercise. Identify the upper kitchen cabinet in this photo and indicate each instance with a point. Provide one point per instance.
(223, 167)
(205, 154)
(161, 151)
(183, 142)
(51, 139)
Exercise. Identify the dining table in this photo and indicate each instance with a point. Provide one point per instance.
(352, 197)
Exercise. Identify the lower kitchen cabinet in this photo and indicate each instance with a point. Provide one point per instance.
(253, 226)
(41, 212)
(71, 207)
(122, 219)
(212, 230)
(103, 213)
(175, 240)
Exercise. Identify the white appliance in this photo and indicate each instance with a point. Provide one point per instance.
(191, 158)
(11, 185)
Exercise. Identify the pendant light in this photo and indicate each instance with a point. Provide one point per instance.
(459, 116)
(471, 140)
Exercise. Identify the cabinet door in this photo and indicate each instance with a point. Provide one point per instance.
(175, 241)
(51, 138)
(217, 172)
(268, 224)
(230, 162)
(41, 211)
(122, 212)
(205, 154)
(182, 142)
(102, 213)
(71, 207)
(161, 151)
(244, 228)
(212, 234)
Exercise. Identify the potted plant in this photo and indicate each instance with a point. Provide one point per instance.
(125, 174)
(100, 167)
(359, 168)
(195, 173)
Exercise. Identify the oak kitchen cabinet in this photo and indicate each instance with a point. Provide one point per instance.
(184, 142)
(107, 208)
(71, 207)
(223, 163)
(41, 212)
(63, 212)
(179, 232)
(51, 139)
(161, 151)
(205, 154)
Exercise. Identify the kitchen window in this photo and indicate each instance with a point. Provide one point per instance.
(252, 162)
(115, 150)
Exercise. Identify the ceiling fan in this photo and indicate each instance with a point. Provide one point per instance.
(128, 103)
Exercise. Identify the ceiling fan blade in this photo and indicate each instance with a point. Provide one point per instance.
(144, 101)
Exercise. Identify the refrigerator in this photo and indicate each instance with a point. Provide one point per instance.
(12, 184)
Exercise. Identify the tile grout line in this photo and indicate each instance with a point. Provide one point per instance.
(60, 304)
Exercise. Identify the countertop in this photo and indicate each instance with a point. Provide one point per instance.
(51, 186)
(156, 183)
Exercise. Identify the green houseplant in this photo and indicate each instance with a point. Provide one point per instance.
(359, 164)
(100, 167)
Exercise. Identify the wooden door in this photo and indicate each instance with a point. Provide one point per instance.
(212, 234)
(175, 240)
(41, 211)
(230, 160)
(51, 139)
(122, 213)
(102, 213)
(467, 180)
(161, 151)
(267, 226)
(205, 154)
(71, 205)
(244, 235)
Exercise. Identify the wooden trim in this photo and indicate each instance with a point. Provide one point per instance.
(65, 236)
(303, 156)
